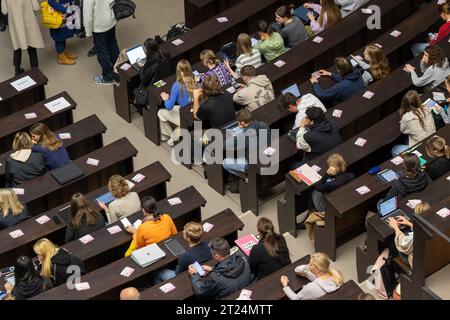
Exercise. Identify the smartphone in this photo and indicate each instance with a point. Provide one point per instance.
(196, 73)
(199, 269)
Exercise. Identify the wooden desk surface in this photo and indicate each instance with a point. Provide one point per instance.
(107, 279)
(7, 91)
(155, 175)
(109, 155)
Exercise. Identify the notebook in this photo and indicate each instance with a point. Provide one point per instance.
(306, 174)
(67, 173)
(246, 243)
(147, 255)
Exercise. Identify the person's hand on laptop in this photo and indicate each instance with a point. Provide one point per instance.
(403, 221)
(311, 16)
(324, 73)
(102, 205)
(393, 223)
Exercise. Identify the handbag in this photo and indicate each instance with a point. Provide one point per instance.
(51, 18)
(3, 22)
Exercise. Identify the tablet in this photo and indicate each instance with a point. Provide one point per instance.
(387, 175)
(174, 247)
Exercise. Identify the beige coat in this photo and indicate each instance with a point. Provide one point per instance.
(23, 24)
(410, 125)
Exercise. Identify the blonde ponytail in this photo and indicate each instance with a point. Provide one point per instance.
(46, 250)
(338, 279)
(322, 262)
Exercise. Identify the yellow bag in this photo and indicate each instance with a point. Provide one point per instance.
(131, 248)
(51, 18)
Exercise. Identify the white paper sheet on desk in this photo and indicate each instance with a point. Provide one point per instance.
(23, 83)
(57, 105)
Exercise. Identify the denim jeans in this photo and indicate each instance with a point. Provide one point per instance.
(418, 48)
(319, 200)
(163, 275)
(396, 150)
(239, 164)
(60, 46)
(107, 51)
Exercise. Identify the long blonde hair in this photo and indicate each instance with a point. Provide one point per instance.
(46, 137)
(10, 202)
(45, 249)
(322, 262)
(185, 77)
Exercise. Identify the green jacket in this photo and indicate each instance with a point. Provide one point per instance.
(272, 47)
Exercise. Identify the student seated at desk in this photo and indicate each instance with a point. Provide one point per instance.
(433, 39)
(158, 66)
(198, 251)
(212, 105)
(401, 246)
(252, 132)
(85, 220)
(256, 92)
(271, 253)
(444, 115)
(155, 227)
(55, 262)
(230, 274)
(290, 27)
(271, 43)
(412, 179)
(125, 202)
(323, 279)
(434, 67)
(377, 67)
(246, 56)
(28, 282)
(12, 211)
(181, 95)
(316, 135)
(349, 82)
(350, 6)
(439, 151)
(299, 105)
(417, 121)
(23, 164)
(335, 178)
(329, 15)
(46, 142)
(216, 68)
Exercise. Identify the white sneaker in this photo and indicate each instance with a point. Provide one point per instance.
(170, 142)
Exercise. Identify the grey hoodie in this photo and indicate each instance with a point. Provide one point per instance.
(257, 93)
(314, 290)
(431, 76)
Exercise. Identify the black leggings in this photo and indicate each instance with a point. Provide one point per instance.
(17, 60)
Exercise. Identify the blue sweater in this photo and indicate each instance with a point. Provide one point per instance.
(53, 159)
(176, 97)
(200, 253)
(11, 220)
(345, 88)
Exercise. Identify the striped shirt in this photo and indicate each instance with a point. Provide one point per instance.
(246, 60)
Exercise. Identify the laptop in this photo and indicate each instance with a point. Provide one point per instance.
(136, 56)
(147, 255)
(174, 247)
(292, 89)
(387, 176)
(63, 217)
(67, 173)
(390, 208)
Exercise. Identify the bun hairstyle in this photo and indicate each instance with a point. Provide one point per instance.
(268, 236)
(148, 204)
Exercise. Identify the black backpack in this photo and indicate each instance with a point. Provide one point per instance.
(3, 22)
(176, 30)
(124, 9)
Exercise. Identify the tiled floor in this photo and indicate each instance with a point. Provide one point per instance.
(153, 17)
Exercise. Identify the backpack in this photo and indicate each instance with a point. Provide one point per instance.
(123, 9)
(176, 30)
(3, 22)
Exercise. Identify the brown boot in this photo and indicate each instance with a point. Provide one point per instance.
(62, 59)
(70, 55)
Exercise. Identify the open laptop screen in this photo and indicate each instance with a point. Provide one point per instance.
(135, 54)
(292, 89)
(388, 206)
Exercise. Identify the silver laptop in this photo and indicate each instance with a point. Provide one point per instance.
(390, 208)
(292, 89)
(147, 255)
(136, 56)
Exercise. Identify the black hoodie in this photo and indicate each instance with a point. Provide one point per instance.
(322, 136)
(27, 289)
(60, 262)
(405, 185)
